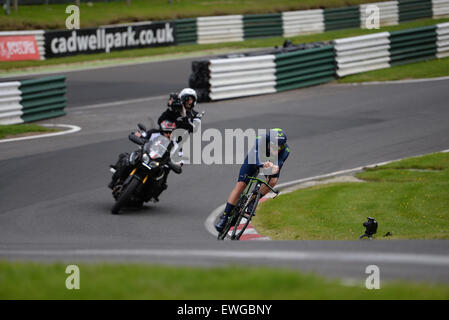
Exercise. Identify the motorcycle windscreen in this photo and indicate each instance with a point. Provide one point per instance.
(157, 147)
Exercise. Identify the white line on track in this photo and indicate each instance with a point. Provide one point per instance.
(341, 256)
(115, 103)
(72, 129)
(210, 221)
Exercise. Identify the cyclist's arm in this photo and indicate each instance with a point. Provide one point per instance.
(284, 156)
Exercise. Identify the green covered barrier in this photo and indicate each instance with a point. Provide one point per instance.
(186, 31)
(305, 68)
(341, 18)
(262, 25)
(411, 45)
(414, 9)
(43, 98)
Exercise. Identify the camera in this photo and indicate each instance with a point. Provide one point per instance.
(370, 228)
(176, 104)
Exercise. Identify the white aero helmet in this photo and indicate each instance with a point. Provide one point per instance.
(187, 93)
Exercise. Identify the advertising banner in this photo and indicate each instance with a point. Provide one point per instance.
(13, 48)
(62, 43)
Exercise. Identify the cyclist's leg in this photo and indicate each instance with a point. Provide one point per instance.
(236, 192)
(264, 189)
(272, 182)
(242, 181)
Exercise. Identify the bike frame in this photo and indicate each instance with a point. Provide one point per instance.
(252, 191)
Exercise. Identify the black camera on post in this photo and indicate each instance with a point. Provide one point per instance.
(370, 228)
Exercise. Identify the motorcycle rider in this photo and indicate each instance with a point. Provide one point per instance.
(123, 167)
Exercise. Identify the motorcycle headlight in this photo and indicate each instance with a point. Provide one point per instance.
(145, 158)
(154, 164)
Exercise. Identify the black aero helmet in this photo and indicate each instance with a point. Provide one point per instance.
(277, 136)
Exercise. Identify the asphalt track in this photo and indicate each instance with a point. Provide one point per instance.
(54, 203)
(122, 82)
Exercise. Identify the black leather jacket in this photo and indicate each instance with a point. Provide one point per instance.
(181, 122)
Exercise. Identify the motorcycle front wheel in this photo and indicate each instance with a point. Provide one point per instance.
(125, 195)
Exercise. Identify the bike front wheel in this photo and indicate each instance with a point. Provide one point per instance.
(238, 231)
(124, 197)
(234, 214)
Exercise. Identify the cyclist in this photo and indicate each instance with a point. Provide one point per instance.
(276, 146)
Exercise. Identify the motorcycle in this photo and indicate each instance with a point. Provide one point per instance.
(148, 166)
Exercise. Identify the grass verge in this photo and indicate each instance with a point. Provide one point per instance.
(120, 281)
(179, 51)
(425, 69)
(16, 130)
(53, 16)
(409, 198)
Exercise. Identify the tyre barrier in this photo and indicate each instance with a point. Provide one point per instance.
(414, 9)
(238, 77)
(442, 40)
(263, 72)
(363, 53)
(32, 100)
(262, 25)
(341, 18)
(219, 29)
(299, 22)
(304, 68)
(236, 28)
(388, 13)
(412, 45)
(10, 108)
(300, 66)
(302, 22)
(186, 31)
(440, 8)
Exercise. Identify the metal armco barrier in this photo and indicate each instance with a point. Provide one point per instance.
(440, 8)
(220, 29)
(262, 25)
(413, 45)
(304, 68)
(32, 100)
(363, 53)
(442, 40)
(302, 22)
(342, 18)
(414, 9)
(388, 13)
